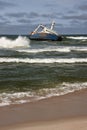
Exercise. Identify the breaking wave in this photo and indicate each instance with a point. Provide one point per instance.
(45, 60)
(17, 43)
(49, 49)
(78, 38)
(23, 97)
(57, 49)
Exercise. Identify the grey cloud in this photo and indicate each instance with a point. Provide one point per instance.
(50, 5)
(74, 30)
(46, 15)
(72, 12)
(76, 17)
(4, 23)
(59, 25)
(16, 29)
(25, 29)
(50, 15)
(22, 17)
(24, 21)
(75, 22)
(33, 15)
(85, 23)
(16, 15)
(4, 4)
(23, 14)
(3, 20)
(83, 7)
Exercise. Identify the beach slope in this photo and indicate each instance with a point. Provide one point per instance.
(65, 112)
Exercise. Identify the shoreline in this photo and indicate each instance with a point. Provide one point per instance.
(64, 124)
(61, 112)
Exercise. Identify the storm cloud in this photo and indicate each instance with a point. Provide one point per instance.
(4, 4)
(76, 17)
(21, 16)
(16, 15)
(83, 7)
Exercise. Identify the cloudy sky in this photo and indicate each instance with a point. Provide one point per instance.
(21, 16)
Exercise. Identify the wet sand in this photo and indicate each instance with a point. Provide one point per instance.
(66, 112)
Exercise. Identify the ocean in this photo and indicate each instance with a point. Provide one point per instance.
(35, 70)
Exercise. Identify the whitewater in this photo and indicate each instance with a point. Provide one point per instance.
(49, 60)
(34, 70)
(18, 42)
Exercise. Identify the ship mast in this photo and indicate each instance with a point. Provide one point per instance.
(52, 25)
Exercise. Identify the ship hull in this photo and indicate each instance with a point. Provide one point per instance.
(45, 37)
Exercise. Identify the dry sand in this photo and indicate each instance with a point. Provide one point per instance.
(68, 112)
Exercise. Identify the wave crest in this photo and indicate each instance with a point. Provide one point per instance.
(77, 38)
(17, 43)
(57, 49)
(23, 97)
(45, 60)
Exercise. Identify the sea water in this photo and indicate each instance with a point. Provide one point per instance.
(33, 70)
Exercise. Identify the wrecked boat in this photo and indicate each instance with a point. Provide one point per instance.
(45, 34)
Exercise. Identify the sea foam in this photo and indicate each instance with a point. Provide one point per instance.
(60, 49)
(78, 38)
(22, 42)
(45, 60)
(23, 97)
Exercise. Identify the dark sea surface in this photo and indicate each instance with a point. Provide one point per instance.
(33, 70)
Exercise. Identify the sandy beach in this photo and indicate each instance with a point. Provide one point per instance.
(68, 112)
